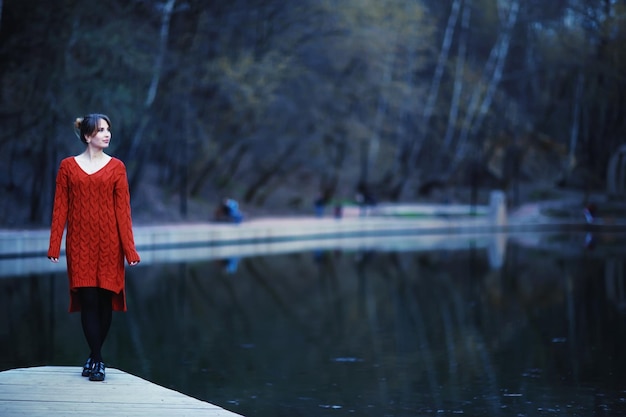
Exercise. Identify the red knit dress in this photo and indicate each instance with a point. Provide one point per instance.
(96, 209)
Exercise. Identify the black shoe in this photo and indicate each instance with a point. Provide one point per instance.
(87, 367)
(97, 372)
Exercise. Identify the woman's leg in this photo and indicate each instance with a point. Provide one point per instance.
(105, 308)
(96, 315)
(90, 320)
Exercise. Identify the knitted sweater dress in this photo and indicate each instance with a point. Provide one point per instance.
(96, 209)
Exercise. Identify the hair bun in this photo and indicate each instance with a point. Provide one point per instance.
(77, 123)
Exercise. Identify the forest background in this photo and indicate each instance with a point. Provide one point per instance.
(275, 102)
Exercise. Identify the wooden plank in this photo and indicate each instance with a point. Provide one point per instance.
(58, 390)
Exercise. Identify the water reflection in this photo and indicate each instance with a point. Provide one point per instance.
(360, 332)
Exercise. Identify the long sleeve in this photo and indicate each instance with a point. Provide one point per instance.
(123, 216)
(59, 211)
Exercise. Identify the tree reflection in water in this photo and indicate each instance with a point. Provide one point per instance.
(359, 333)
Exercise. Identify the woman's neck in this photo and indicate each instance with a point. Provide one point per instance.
(92, 153)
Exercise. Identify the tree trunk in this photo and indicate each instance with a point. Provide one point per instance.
(336, 149)
(410, 150)
(575, 127)
(493, 68)
(458, 77)
(38, 185)
(135, 176)
(184, 163)
(433, 92)
(371, 147)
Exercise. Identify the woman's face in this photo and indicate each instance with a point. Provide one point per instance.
(102, 136)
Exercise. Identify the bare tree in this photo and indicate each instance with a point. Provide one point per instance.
(480, 103)
(166, 9)
(444, 53)
(415, 142)
(458, 77)
(575, 126)
(371, 147)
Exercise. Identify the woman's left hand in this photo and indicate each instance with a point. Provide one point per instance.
(133, 263)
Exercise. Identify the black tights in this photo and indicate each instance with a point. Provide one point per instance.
(95, 317)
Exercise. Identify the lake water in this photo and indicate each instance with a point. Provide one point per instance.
(349, 332)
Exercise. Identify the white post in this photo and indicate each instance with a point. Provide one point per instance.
(497, 211)
(497, 207)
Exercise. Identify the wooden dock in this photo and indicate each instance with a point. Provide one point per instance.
(61, 391)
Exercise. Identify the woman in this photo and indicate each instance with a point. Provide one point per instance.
(93, 200)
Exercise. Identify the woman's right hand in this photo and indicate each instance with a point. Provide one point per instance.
(55, 260)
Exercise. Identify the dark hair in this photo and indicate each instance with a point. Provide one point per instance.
(88, 125)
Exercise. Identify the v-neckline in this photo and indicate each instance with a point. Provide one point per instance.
(96, 171)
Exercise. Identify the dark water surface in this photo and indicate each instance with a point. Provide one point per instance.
(360, 333)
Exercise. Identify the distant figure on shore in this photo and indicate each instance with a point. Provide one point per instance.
(364, 198)
(338, 211)
(319, 204)
(228, 211)
(92, 199)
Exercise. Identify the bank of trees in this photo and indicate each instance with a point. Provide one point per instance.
(258, 99)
